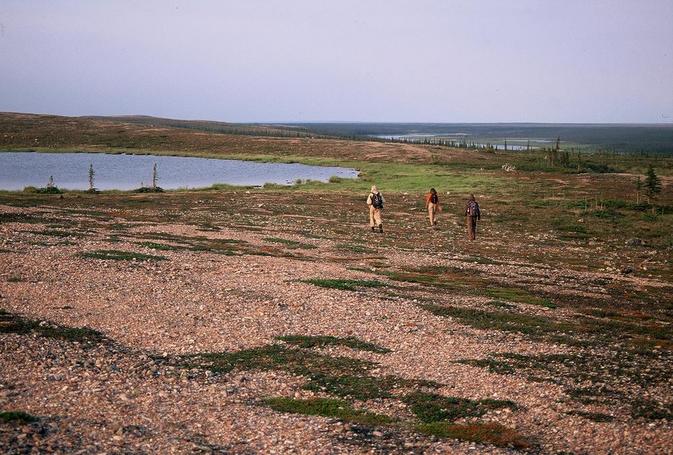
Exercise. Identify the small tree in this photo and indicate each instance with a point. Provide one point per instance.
(92, 173)
(155, 176)
(652, 184)
(639, 189)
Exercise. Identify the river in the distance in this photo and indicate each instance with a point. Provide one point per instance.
(125, 172)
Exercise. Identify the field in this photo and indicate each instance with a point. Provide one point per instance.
(246, 320)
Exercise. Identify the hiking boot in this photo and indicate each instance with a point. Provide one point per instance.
(373, 229)
(380, 228)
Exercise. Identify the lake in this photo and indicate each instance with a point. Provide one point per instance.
(126, 172)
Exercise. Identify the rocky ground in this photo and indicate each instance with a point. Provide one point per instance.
(202, 322)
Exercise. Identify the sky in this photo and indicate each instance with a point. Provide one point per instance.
(599, 61)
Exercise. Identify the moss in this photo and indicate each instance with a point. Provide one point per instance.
(19, 417)
(430, 407)
(345, 285)
(306, 341)
(118, 255)
(327, 407)
(292, 244)
(158, 246)
(519, 295)
(278, 357)
(594, 416)
(10, 323)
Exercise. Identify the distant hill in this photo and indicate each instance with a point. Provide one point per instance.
(138, 131)
(255, 129)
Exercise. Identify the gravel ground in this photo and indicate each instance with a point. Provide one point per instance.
(121, 396)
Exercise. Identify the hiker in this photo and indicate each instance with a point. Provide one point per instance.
(432, 205)
(473, 214)
(375, 202)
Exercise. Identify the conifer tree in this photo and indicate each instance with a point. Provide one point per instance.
(652, 183)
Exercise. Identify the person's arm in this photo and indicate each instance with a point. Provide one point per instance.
(369, 199)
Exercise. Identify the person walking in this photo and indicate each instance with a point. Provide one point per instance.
(432, 205)
(472, 214)
(375, 202)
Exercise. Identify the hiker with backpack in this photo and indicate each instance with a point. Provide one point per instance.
(375, 202)
(472, 214)
(432, 205)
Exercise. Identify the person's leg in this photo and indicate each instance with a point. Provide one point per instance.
(371, 217)
(431, 213)
(377, 219)
(468, 219)
(473, 228)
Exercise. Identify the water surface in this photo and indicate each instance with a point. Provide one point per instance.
(126, 172)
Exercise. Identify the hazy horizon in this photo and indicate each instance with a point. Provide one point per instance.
(524, 61)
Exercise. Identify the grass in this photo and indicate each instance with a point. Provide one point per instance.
(19, 417)
(344, 285)
(482, 433)
(430, 407)
(306, 341)
(119, 255)
(327, 407)
(10, 323)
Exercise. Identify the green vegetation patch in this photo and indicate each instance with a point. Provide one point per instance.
(430, 407)
(11, 323)
(493, 365)
(307, 341)
(59, 233)
(345, 285)
(361, 387)
(19, 417)
(340, 376)
(327, 407)
(354, 248)
(159, 246)
(518, 295)
(295, 361)
(118, 255)
(292, 244)
(501, 320)
(570, 230)
(483, 433)
(27, 218)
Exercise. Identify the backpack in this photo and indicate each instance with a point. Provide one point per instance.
(473, 208)
(377, 201)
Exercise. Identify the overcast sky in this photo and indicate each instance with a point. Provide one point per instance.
(359, 60)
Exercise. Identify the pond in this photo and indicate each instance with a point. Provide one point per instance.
(125, 172)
